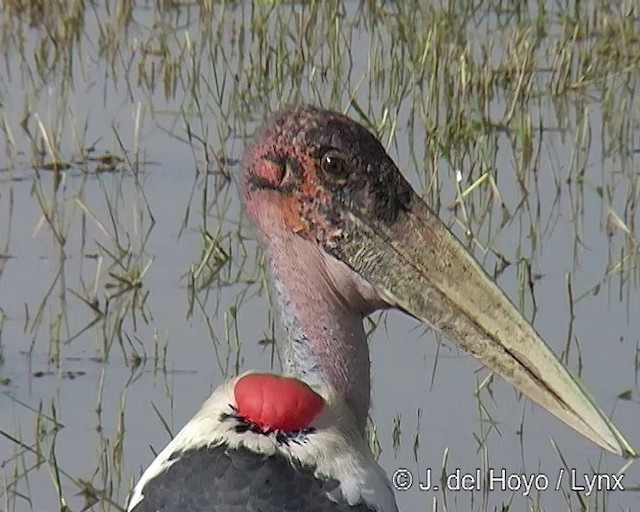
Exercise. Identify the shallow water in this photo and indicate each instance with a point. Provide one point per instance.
(154, 352)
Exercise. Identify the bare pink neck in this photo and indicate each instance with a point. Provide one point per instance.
(326, 340)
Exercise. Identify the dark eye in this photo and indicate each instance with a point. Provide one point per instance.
(334, 166)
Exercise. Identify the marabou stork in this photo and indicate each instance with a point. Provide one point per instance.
(346, 235)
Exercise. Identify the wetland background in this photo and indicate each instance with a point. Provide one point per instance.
(131, 283)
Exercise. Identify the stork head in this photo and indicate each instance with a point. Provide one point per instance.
(318, 178)
(310, 168)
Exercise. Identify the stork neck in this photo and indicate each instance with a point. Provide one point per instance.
(326, 342)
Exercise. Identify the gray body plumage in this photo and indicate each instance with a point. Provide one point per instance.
(219, 479)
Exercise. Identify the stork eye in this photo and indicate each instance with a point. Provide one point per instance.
(334, 166)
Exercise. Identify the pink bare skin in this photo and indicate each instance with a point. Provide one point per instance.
(322, 303)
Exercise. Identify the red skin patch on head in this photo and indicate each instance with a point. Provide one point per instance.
(271, 171)
(290, 211)
(276, 403)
